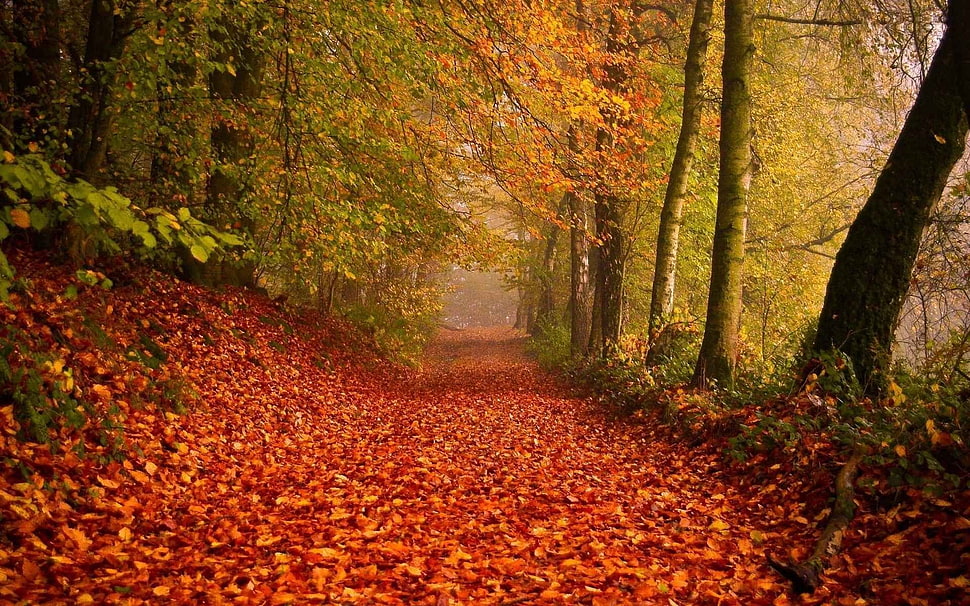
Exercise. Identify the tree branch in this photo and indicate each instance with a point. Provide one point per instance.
(796, 21)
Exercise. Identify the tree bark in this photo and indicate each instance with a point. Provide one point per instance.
(672, 215)
(546, 304)
(90, 118)
(610, 270)
(580, 271)
(718, 353)
(607, 212)
(872, 270)
(233, 146)
(580, 299)
(33, 77)
(595, 344)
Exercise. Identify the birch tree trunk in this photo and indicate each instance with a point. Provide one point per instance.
(672, 215)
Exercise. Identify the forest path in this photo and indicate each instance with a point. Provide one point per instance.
(480, 480)
(303, 468)
(312, 472)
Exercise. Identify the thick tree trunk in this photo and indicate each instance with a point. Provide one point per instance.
(32, 78)
(872, 270)
(607, 211)
(90, 118)
(672, 215)
(610, 274)
(718, 353)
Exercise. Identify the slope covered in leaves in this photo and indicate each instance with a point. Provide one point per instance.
(307, 470)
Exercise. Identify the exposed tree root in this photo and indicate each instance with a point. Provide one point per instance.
(806, 576)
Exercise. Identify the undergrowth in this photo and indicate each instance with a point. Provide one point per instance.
(916, 436)
(550, 344)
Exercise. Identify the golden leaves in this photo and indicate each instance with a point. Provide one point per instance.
(77, 537)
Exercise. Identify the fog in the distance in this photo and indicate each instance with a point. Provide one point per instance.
(477, 299)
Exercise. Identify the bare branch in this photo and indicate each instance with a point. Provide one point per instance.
(796, 21)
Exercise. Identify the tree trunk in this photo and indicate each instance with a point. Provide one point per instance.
(109, 27)
(546, 304)
(233, 144)
(610, 274)
(872, 270)
(580, 299)
(33, 77)
(607, 212)
(718, 353)
(580, 271)
(672, 215)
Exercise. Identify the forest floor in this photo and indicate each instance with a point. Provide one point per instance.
(305, 469)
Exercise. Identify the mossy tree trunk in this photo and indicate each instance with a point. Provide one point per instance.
(718, 354)
(872, 270)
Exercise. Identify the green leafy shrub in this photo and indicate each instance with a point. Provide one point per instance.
(622, 380)
(831, 373)
(41, 390)
(100, 220)
(402, 319)
(550, 344)
(673, 352)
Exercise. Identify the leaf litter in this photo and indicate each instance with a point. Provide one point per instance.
(307, 470)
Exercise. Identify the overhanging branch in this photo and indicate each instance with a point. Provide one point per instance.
(797, 21)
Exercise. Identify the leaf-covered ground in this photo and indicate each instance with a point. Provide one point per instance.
(307, 470)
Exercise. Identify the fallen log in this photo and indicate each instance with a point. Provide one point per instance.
(805, 577)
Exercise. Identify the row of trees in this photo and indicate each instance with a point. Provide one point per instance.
(357, 147)
(860, 316)
(306, 128)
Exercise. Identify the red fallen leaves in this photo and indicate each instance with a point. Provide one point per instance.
(307, 471)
